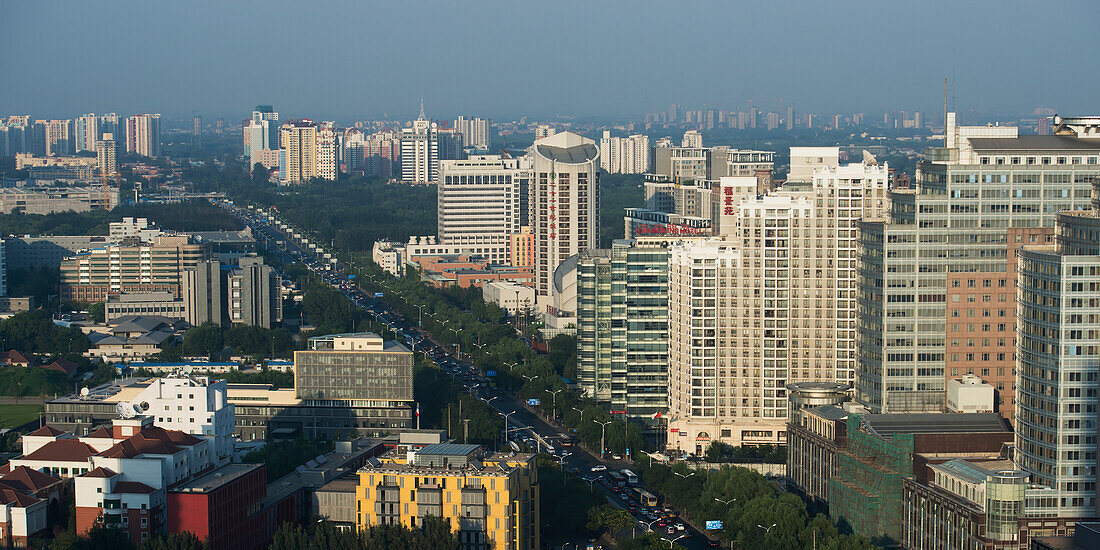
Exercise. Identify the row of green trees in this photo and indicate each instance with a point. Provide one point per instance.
(210, 339)
(755, 512)
(434, 534)
(768, 454)
(197, 215)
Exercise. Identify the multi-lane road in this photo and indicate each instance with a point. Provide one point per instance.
(523, 426)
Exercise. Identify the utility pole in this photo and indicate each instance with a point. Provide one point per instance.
(465, 430)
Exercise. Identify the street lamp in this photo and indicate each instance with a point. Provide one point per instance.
(726, 502)
(420, 318)
(673, 540)
(649, 525)
(685, 476)
(603, 434)
(504, 441)
(767, 529)
(555, 405)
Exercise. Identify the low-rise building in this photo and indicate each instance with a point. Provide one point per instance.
(489, 501)
(511, 297)
(133, 337)
(48, 199)
(161, 304)
(881, 451)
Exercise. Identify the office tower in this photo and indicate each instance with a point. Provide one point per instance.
(683, 164)
(419, 151)
(475, 132)
(969, 195)
(328, 147)
(1058, 328)
(3, 268)
(771, 303)
(622, 327)
(85, 132)
(203, 297)
(349, 370)
(449, 146)
(253, 292)
(673, 112)
(1042, 126)
(106, 152)
(143, 135)
(261, 132)
(564, 204)
(489, 501)
(624, 155)
(297, 151)
(14, 137)
(129, 267)
(692, 138)
(481, 202)
(788, 121)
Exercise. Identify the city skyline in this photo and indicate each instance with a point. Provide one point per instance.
(219, 61)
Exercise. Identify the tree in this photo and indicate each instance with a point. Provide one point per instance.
(98, 312)
(205, 340)
(174, 541)
(605, 517)
(260, 175)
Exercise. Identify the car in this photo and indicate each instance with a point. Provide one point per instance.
(671, 530)
(599, 468)
(679, 526)
(617, 457)
(661, 524)
(713, 543)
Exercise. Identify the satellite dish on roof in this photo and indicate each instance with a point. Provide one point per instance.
(514, 446)
(141, 407)
(84, 392)
(125, 410)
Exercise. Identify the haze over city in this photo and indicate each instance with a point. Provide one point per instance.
(345, 60)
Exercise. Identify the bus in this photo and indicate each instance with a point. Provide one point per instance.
(648, 500)
(617, 479)
(566, 440)
(631, 477)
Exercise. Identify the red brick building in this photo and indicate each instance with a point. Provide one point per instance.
(222, 507)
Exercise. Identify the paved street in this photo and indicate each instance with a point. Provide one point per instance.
(577, 459)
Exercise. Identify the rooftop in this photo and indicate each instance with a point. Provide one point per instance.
(1035, 143)
(932, 423)
(216, 479)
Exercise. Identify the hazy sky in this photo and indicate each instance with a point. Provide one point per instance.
(353, 59)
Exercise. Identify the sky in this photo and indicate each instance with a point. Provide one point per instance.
(348, 60)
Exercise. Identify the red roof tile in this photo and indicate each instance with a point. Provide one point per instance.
(6, 468)
(132, 487)
(14, 357)
(32, 480)
(62, 365)
(62, 450)
(11, 496)
(99, 471)
(48, 431)
(101, 433)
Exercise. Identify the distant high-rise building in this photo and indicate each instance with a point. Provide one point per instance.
(624, 155)
(565, 206)
(419, 151)
(298, 151)
(261, 132)
(1043, 126)
(86, 132)
(143, 135)
(328, 149)
(56, 136)
(692, 138)
(673, 113)
(475, 132)
(106, 152)
(544, 130)
(196, 131)
(109, 124)
(773, 120)
(788, 121)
